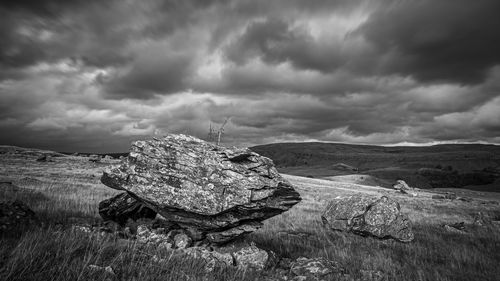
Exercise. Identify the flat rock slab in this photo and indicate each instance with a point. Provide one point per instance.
(378, 217)
(217, 193)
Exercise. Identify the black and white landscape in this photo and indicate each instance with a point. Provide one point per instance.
(249, 140)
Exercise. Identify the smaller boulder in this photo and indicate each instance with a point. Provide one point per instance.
(145, 235)
(15, 214)
(94, 158)
(212, 259)
(404, 188)
(251, 257)
(364, 215)
(315, 269)
(44, 158)
(181, 240)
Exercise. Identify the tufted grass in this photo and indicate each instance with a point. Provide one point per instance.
(68, 191)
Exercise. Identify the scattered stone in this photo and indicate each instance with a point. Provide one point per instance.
(212, 259)
(364, 215)
(456, 227)
(182, 241)
(94, 158)
(147, 236)
(251, 257)
(123, 207)
(15, 214)
(214, 192)
(404, 188)
(102, 269)
(315, 269)
(44, 158)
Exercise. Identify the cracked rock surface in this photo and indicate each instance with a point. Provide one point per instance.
(215, 193)
(363, 215)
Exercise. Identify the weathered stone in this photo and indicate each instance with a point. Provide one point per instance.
(212, 259)
(182, 240)
(368, 216)
(404, 188)
(14, 214)
(216, 192)
(94, 158)
(44, 158)
(123, 207)
(250, 256)
(315, 269)
(147, 236)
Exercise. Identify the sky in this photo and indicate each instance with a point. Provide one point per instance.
(92, 76)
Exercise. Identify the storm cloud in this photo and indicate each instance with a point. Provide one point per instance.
(94, 75)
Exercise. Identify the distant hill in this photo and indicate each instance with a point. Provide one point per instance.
(449, 165)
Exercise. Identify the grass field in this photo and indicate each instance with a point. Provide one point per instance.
(68, 190)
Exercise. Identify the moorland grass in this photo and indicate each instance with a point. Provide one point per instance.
(54, 251)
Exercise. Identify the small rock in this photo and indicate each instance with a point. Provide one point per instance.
(105, 269)
(456, 227)
(182, 241)
(315, 269)
(44, 158)
(212, 259)
(147, 236)
(251, 257)
(15, 214)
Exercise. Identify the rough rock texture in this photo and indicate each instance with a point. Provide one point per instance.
(212, 258)
(368, 216)
(315, 269)
(215, 193)
(15, 214)
(404, 188)
(123, 207)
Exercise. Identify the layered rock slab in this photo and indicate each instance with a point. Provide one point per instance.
(215, 193)
(378, 217)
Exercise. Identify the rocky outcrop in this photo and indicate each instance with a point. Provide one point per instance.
(15, 214)
(363, 215)
(215, 193)
(123, 207)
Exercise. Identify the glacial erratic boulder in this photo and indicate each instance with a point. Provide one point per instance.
(215, 193)
(365, 215)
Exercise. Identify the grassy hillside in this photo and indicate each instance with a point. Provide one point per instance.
(439, 166)
(68, 190)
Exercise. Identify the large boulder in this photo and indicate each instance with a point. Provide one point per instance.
(123, 207)
(215, 193)
(365, 215)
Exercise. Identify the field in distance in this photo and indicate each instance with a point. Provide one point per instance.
(468, 166)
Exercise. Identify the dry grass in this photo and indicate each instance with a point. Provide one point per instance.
(68, 190)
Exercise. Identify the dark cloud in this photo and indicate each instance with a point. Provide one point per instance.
(437, 41)
(94, 75)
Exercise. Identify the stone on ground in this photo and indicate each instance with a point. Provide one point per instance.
(15, 214)
(214, 192)
(315, 269)
(364, 215)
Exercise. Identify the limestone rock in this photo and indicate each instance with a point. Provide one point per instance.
(249, 256)
(364, 215)
(216, 192)
(123, 207)
(315, 269)
(404, 188)
(212, 259)
(15, 214)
